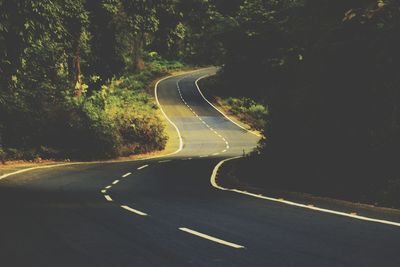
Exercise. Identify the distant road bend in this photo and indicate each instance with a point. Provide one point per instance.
(164, 211)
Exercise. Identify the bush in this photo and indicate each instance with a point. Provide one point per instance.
(114, 121)
(107, 121)
(136, 118)
(248, 110)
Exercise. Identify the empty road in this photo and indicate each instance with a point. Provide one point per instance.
(165, 212)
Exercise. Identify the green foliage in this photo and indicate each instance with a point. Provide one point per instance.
(59, 97)
(328, 73)
(248, 110)
(327, 70)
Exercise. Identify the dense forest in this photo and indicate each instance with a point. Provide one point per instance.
(327, 72)
(73, 74)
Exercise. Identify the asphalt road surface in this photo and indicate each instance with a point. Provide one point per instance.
(164, 211)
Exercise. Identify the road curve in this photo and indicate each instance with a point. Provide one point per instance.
(164, 211)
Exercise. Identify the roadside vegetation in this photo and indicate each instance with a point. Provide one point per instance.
(74, 76)
(327, 73)
(247, 110)
(318, 77)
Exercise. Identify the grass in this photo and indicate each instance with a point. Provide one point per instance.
(119, 119)
(245, 109)
(283, 174)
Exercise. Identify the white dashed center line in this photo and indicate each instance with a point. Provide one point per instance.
(126, 174)
(133, 210)
(115, 182)
(211, 238)
(208, 126)
(142, 167)
(108, 198)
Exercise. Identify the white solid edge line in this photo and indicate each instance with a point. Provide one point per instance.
(223, 114)
(211, 238)
(209, 127)
(142, 167)
(168, 119)
(35, 168)
(133, 210)
(126, 174)
(214, 183)
(108, 198)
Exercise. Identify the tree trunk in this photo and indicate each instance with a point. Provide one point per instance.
(77, 69)
(138, 63)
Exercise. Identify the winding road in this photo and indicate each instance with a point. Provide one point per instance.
(165, 212)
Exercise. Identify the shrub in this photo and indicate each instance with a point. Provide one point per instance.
(107, 121)
(248, 110)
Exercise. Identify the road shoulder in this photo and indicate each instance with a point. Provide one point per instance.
(227, 179)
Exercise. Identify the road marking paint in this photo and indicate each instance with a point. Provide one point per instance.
(108, 198)
(104, 191)
(165, 115)
(133, 210)
(211, 238)
(115, 182)
(215, 154)
(113, 161)
(213, 181)
(108, 187)
(203, 156)
(42, 167)
(208, 126)
(142, 167)
(223, 114)
(223, 151)
(126, 174)
(163, 161)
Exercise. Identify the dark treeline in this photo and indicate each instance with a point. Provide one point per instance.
(73, 73)
(329, 73)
